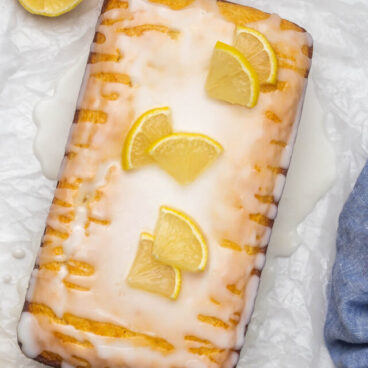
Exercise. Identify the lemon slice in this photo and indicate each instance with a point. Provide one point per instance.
(151, 275)
(179, 242)
(231, 77)
(185, 155)
(259, 52)
(49, 8)
(148, 128)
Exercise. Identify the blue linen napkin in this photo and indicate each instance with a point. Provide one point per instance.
(346, 328)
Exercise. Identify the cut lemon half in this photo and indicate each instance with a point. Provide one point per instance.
(49, 8)
(259, 52)
(179, 242)
(185, 155)
(151, 275)
(148, 128)
(231, 77)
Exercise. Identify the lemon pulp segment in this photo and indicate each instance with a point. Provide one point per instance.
(151, 275)
(148, 128)
(179, 242)
(259, 52)
(231, 77)
(185, 155)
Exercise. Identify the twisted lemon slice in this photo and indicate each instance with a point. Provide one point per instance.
(185, 155)
(179, 242)
(151, 275)
(49, 8)
(259, 52)
(148, 128)
(231, 77)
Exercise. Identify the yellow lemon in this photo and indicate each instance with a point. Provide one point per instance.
(148, 128)
(185, 155)
(49, 8)
(259, 52)
(151, 275)
(231, 77)
(179, 242)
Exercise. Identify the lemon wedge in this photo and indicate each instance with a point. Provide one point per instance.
(259, 52)
(179, 242)
(49, 8)
(185, 155)
(148, 128)
(151, 275)
(231, 77)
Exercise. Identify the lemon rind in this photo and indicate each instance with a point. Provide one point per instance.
(146, 236)
(268, 48)
(134, 130)
(247, 68)
(195, 230)
(178, 279)
(49, 14)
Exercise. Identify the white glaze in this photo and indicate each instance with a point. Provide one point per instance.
(53, 117)
(18, 253)
(133, 199)
(312, 172)
(7, 279)
(26, 326)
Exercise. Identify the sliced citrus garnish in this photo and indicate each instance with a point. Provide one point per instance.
(49, 8)
(151, 275)
(231, 77)
(179, 242)
(259, 52)
(148, 128)
(185, 155)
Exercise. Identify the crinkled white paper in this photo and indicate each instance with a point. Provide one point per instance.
(287, 326)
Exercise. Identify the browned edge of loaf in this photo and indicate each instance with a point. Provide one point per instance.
(53, 361)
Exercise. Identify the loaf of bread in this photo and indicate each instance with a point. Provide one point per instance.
(206, 225)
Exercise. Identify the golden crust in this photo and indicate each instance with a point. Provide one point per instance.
(240, 15)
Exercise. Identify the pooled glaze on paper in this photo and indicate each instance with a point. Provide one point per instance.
(311, 173)
(53, 117)
(130, 201)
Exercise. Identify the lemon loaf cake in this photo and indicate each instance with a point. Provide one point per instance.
(175, 165)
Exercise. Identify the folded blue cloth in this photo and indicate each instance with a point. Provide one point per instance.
(346, 329)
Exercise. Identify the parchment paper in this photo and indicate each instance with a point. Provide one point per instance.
(287, 325)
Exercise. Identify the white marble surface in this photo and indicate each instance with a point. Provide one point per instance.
(41, 58)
